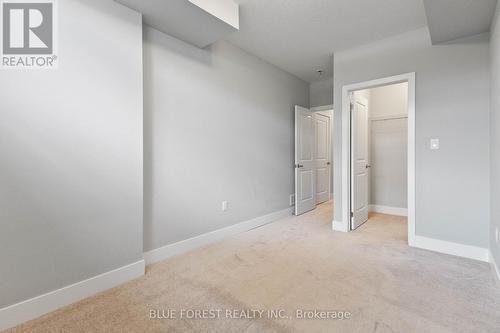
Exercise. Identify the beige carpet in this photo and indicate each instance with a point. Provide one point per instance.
(299, 263)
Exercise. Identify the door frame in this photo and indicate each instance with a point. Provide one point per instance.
(344, 225)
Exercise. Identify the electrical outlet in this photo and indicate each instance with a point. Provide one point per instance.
(224, 206)
(292, 199)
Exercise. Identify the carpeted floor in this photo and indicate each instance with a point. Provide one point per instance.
(294, 264)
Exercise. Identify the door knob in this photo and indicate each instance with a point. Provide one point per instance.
(328, 163)
(368, 166)
(299, 166)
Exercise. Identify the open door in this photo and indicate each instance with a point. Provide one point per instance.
(359, 161)
(322, 154)
(305, 174)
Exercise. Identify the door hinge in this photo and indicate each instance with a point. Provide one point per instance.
(352, 214)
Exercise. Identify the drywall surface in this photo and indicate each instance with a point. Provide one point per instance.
(225, 10)
(321, 92)
(388, 158)
(391, 100)
(495, 138)
(198, 22)
(452, 104)
(389, 146)
(71, 146)
(219, 126)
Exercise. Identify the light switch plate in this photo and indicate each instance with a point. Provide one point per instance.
(434, 144)
(292, 199)
(224, 206)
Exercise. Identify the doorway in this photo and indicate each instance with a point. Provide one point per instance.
(379, 133)
(313, 157)
(356, 167)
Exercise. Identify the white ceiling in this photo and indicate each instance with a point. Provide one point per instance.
(453, 19)
(300, 36)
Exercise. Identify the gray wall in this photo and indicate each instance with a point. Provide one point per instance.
(388, 158)
(452, 103)
(321, 92)
(495, 137)
(71, 147)
(219, 125)
(389, 146)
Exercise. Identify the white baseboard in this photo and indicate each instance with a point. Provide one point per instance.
(16, 314)
(35, 307)
(340, 226)
(494, 268)
(388, 210)
(456, 249)
(187, 245)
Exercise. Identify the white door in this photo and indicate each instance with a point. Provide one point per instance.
(359, 161)
(322, 157)
(305, 182)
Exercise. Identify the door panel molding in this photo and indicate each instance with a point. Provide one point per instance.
(305, 180)
(322, 156)
(359, 162)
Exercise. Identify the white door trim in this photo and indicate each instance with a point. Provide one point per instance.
(346, 144)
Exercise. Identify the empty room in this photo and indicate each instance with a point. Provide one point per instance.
(250, 166)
